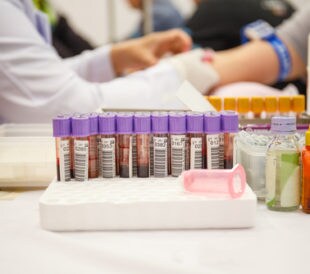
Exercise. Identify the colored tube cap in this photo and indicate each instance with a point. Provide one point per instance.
(284, 104)
(283, 124)
(80, 126)
(142, 123)
(298, 103)
(230, 103)
(93, 123)
(230, 121)
(243, 105)
(124, 123)
(194, 122)
(107, 123)
(271, 104)
(212, 122)
(62, 126)
(177, 123)
(257, 105)
(160, 122)
(216, 102)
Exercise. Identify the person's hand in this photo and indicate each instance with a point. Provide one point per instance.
(144, 52)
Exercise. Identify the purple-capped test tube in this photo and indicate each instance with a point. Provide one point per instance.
(108, 144)
(62, 134)
(230, 126)
(161, 153)
(196, 142)
(124, 125)
(80, 133)
(177, 124)
(142, 126)
(212, 127)
(93, 145)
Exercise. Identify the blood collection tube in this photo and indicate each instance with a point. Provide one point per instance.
(243, 107)
(108, 143)
(80, 133)
(124, 125)
(298, 105)
(230, 103)
(177, 124)
(160, 130)
(62, 133)
(284, 105)
(216, 102)
(271, 106)
(257, 105)
(196, 142)
(230, 126)
(142, 126)
(93, 146)
(212, 128)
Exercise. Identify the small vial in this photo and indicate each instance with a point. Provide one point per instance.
(80, 133)
(298, 105)
(257, 106)
(243, 107)
(216, 102)
(230, 103)
(142, 126)
(282, 166)
(305, 197)
(271, 106)
(196, 142)
(284, 105)
(212, 128)
(230, 126)
(93, 146)
(124, 125)
(160, 130)
(108, 143)
(62, 133)
(177, 123)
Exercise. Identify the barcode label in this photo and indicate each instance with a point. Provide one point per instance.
(151, 155)
(213, 151)
(81, 160)
(178, 154)
(134, 155)
(99, 147)
(187, 153)
(64, 160)
(221, 151)
(130, 160)
(160, 156)
(196, 153)
(108, 167)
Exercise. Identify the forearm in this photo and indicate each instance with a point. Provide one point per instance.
(256, 61)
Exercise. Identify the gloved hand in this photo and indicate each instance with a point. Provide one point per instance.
(193, 67)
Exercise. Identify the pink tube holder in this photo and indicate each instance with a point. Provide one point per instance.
(216, 182)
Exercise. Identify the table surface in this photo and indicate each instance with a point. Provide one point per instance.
(277, 244)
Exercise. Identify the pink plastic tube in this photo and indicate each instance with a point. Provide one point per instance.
(217, 182)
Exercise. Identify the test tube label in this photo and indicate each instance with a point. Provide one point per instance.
(213, 151)
(221, 151)
(64, 158)
(81, 160)
(134, 156)
(108, 167)
(178, 154)
(151, 155)
(160, 156)
(196, 153)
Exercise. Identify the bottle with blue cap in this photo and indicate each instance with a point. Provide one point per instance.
(283, 166)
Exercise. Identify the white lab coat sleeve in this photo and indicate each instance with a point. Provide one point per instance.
(93, 65)
(36, 85)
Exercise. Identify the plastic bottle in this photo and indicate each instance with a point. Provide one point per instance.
(305, 198)
(271, 106)
(177, 124)
(124, 124)
(229, 103)
(108, 144)
(243, 107)
(161, 155)
(196, 140)
(212, 128)
(282, 166)
(93, 146)
(80, 133)
(142, 128)
(230, 127)
(62, 133)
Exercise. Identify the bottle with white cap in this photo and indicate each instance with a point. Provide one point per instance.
(283, 166)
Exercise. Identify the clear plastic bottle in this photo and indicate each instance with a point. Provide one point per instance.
(283, 166)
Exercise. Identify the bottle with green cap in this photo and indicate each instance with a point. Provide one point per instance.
(282, 166)
(305, 197)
